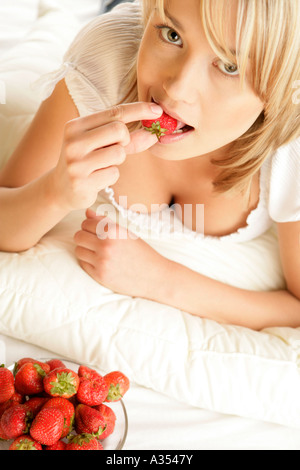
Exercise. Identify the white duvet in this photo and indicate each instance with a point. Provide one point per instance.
(46, 299)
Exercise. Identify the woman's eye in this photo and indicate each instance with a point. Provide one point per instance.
(170, 35)
(228, 69)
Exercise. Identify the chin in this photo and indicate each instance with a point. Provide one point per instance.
(168, 154)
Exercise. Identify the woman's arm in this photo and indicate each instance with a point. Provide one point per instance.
(131, 267)
(63, 162)
(212, 299)
(28, 205)
(217, 301)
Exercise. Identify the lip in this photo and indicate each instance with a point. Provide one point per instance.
(171, 113)
(174, 138)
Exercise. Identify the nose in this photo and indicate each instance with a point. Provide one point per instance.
(182, 81)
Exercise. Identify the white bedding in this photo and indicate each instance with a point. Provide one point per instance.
(187, 374)
(157, 422)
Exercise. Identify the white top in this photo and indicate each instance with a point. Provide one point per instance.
(94, 67)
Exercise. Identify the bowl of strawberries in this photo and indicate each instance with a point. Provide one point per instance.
(55, 404)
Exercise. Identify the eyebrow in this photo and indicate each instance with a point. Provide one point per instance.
(175, 22)
(179, 25)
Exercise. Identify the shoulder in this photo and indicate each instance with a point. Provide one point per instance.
(102, 56)
(110, 32)
(284, 183)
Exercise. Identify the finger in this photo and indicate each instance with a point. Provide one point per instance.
(88, 268)
(86, 240)
(100, 159)
(90, 214)
(90, 225)
(140, 141)
(128, 112)
(83, 254)
(107, 134)
(102, 178)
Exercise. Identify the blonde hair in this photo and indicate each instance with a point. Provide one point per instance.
(269, 32)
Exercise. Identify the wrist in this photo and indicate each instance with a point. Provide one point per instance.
(164, 285)
(53, 196)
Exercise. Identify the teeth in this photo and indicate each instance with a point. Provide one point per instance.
(178, 131)
(180, 125)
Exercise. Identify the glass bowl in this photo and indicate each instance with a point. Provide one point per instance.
(117, 439)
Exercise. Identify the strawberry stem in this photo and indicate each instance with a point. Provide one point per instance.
(114, 393)
(64, 384)
(156, 129)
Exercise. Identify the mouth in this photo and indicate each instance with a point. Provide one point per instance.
(182, 127)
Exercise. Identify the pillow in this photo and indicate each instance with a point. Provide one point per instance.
(41, 50)
(47, 300)
(16, 19)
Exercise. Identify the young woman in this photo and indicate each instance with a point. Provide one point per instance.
(227, 71)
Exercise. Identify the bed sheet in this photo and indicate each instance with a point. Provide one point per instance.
(157, 422)
(17, 17)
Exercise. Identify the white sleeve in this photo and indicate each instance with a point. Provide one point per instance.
(284, 181)
(98, 59)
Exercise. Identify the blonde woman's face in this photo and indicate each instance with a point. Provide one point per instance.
(179, 70)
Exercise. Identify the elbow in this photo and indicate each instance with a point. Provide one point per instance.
(294, 290)
(11, 245)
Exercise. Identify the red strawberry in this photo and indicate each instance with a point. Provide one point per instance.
(16, 399)
(25, 442)
(92, 391)
(35, 404)
(55, 363)
(59, 445)
(7, 387)
(15, 421)
(110, 420)
(68, 411)
(88, 420)
(29, 378)
(87, 372)
(26, 360)
(162, 126)
(61, 382)
(47, 426)
(3, 436)
(84, 442)
(118, 385)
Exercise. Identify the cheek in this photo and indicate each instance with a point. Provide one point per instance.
(247, 113)
(147, 68)
(143, 75)
(234, 110)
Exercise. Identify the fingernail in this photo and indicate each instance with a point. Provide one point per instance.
(156, 109)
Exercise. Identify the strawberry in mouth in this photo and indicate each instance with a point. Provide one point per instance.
(165, 125)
